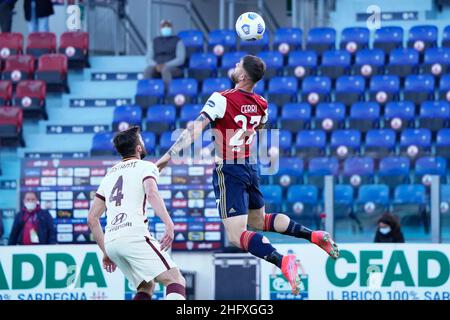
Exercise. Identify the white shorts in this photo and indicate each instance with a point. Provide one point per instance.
(140, 259)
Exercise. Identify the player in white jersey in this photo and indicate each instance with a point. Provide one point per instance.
(127, 243)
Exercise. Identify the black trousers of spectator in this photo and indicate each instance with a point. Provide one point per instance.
(5, 17)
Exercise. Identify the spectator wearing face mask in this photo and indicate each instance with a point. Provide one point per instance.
(166, 55)
(389, 230)
(32, 225)
(6, 14)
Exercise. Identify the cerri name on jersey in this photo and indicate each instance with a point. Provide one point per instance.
(249, 108)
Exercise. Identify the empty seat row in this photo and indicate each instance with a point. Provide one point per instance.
(29, 95)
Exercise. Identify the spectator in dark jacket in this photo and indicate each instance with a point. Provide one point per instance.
(166, 55)
(389, 229)
(6, 13)
(37, 13)
(32, 225)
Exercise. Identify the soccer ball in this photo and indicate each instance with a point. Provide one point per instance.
(250, 26)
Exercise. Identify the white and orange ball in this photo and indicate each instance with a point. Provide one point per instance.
(426, 180)
(396, 123)
(327, 124)
(285, 180)
(342, 151)
(436, 69)
(351, 46)
(283, 48)
(179, 99)
(26, 102)
(355, 180)
(123, 126)
(381, 97)
(300, 71)
(298, 207)
(419, 45)
(366, 70)
(313, 98)
(369, 207)
(16, 76)
(218, 50)
(412, 151)
(70, 51)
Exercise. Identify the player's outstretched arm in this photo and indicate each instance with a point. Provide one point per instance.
(157, 203)
(97, 209)
(187, 137)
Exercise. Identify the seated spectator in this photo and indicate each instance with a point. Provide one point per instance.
(389, 230)
(37, 14)
(166, 55)
(6, 14)
(32, 225)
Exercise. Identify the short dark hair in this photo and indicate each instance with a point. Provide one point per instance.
(254, 66)
(126, 141)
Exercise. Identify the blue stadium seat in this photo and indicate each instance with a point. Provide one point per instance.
(211, 85)
(334, 111)
(369, 62)
(229, 61)
(359, 166)
(316, 85)
(274, 63)
(388, 38)
(444, 87)
(426, 34)
(419, 88)
(290, 172)
(310, 143)
(431, 166)
(126, 116)
(421, 138)
(166, 141)
(364, 116)
(260, 88)
(188, 88)
(189, 112)
(358, 35)
(302, 63)
(434, 115)
(295, 116)
(282, 90)
(394, 171)
(318, 168)
(446, 37)
(409, 200)
(161, 118)
(379, 143)
(378, 194)
(272, 197)
(202, 65)
(225, 38)
(443, 143)
(291, 36)
(347, 138)
(343, 201)
(285, 140)
(149, 92)
(273, 112)
(404, 110)
(302, 203)
(149, 142)
(335, 63)
(384, 84)
(192, 40)
(321, 39)
(436, 56)
(350, 89)
(402, 62)
(102, 144)
(253, 47)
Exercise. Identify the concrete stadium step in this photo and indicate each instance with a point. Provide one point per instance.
(42, 142)
(117, 64)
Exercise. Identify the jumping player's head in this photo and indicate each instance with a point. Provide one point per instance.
(248, 71)
(129, 143)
